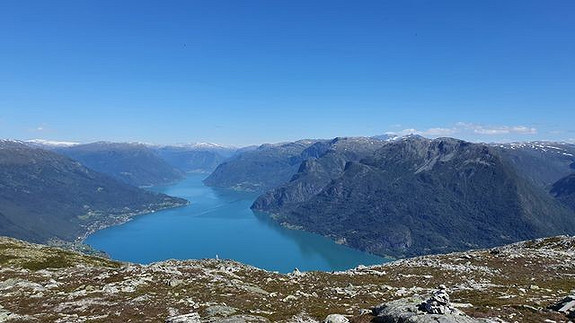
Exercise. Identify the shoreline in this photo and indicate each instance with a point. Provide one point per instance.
(119, 219)
(326, 246)
(276, 217)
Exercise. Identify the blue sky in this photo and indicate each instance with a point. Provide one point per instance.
(247, 72)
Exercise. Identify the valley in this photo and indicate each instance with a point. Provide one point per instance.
(390, 196)
(220, 223)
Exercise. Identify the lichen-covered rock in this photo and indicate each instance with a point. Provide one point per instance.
(439, 303)
(185, 318)
(220, 310)
(410, 310)
(241, 319)
(335, 318)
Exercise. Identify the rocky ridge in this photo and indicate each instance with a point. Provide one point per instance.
(524, 282)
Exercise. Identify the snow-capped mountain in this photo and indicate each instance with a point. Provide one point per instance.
(563, 148)
(50, 143)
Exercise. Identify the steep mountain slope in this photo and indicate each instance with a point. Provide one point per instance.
(515, 283)
(45, 195)
(541, 162)
(195, 158)
(135, 164)
(263, 168)
(415, 196)
(564, 190)
(326, 163)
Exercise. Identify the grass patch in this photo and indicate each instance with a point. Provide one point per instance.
(58, 261)
(5, 259)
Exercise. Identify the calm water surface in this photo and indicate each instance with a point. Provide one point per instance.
(220, 222)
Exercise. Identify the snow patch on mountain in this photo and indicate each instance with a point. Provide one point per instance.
(544, 146)
(43, 142)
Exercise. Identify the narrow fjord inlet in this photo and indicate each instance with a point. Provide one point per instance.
(219, 222)
(287, 161)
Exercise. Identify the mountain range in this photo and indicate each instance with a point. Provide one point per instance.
(142, 164)
(131, 163)
(398, 196)
(45, 195)
(411, 195)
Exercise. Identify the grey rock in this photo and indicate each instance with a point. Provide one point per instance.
(255, 289)
(439, 302)
(186, 318)
(363, 311)
(397, 311)
(336, 318)
(296, 272)
(410, 310)
(9, 283)
(175, 282)
(566, 305)
(241, 319)
(5, 315)
(220, 310)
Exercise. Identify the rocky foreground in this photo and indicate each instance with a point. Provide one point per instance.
(524, 282)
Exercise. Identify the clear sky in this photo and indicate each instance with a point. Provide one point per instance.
(247, 72)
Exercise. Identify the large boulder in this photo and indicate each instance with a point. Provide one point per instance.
(220, 310)
(436, 308)
(566, 306)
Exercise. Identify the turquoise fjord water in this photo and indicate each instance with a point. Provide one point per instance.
(220, 222)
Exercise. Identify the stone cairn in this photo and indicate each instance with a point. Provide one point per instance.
(438, 303)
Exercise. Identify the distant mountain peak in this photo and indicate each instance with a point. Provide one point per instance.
(12, 144)
(194, 146)
(543, 146)
(385, 137)
(10, 141)
(51, 143)
(207, 145)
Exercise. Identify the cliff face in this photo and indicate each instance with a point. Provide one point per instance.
(46, 284)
